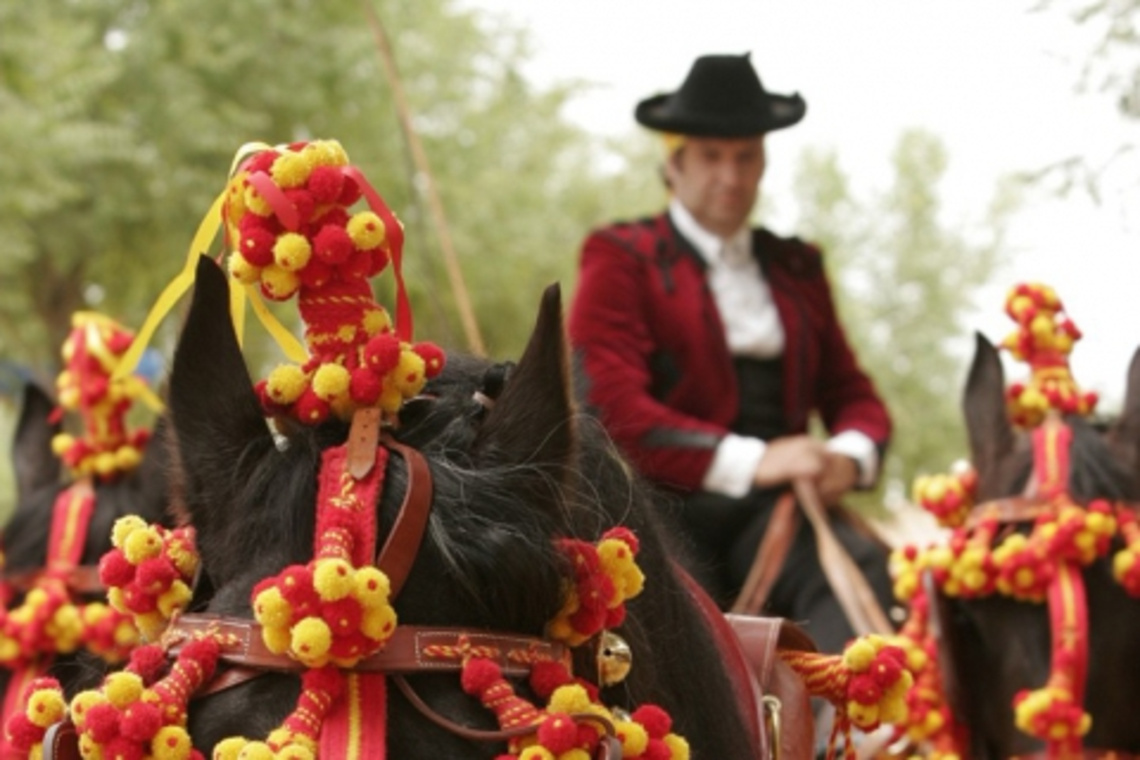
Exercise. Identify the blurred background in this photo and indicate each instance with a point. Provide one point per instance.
(951, 149)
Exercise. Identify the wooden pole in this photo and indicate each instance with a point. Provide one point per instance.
(435, 205)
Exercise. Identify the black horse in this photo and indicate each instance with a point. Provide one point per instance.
(515, 464)
(39, 481)
(999, 646)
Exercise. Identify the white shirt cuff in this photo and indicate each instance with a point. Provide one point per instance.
(733, 467)
(862, 449)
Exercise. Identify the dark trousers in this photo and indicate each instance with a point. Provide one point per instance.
(724, 533)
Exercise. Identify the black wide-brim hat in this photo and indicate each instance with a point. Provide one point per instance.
(721, 97)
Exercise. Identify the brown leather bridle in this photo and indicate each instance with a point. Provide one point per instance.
(412, 649)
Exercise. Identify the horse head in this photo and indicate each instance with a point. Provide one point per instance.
(514, 465)
(999, 646)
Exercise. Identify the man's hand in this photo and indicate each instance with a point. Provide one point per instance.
(840, 474)
(786, 459)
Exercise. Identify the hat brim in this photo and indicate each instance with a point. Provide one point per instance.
(662, 113)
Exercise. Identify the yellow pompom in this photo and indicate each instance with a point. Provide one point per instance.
(371, 587)
(286, 383)
(174, 599)
(256, 751)
(277, 639)
(863, 716)
(330, 381)
(127, 458)
(82, 702)
(376, 321)
(333, 579)
(45, 707)
(255, 203)
(142, 545)
(331, 152)
(292, 251)
(278, 283)
(123, 527)
(378, 622)
(61, 443)
(310, 641)
(366, 230)
(89, 749)
(69, 397)
(569, 699)
(633, 737)
(228, 749)
(242, 271)
(270, 608)
(171, 743)
(104, 463)
(536, 753)
(408, 376)
(122, 688)
(291, 169)
(859, 654)
(678, 747)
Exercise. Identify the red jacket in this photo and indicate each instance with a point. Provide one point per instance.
(648, 336)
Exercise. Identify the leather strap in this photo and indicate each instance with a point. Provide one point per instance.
(363, 437)
(61, 742)
(770, 557)
(412, 649)
(845, 578)
(1011, 509)
(395, 558)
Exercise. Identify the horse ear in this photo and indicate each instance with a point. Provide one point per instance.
(987, 421)
(214, 411)
(36, 465)
(532, 421)
(1127, 428)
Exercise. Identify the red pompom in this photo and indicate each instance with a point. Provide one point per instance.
(155, 574)
(310, 409)
(325, 183)
(122, 748)
(379, 260)
(335, 216)
(102, 722)
(478, 675)
(349, 192)
(558, 733)
(23, 733)
(433, 357)
(864, 690)
(262, 162)
(656, 750)
(140, 721)
(137, 600)
(547, 676)
(332, 245)
(115, 570)
(382, 353)
(316, 274)
(257, 246)
(343, 616)
(148, 662)
(655, 720)
(357, 267)
(303, 201)
(365, 386)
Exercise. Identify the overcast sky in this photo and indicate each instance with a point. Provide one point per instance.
(995, 82)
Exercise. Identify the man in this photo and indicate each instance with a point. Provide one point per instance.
(708, 345)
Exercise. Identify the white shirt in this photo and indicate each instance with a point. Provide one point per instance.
(752, 328)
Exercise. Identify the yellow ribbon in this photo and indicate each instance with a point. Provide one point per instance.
(207, 231)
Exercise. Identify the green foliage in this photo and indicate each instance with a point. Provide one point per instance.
(903, 275)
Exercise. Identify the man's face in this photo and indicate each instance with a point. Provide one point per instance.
(717, 179)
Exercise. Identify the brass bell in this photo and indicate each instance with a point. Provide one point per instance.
(615, 659)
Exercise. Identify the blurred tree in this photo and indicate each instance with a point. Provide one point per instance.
(119, 118)
(1110, 65)
(903, 275)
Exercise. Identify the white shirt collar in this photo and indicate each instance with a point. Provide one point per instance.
(712, 248)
